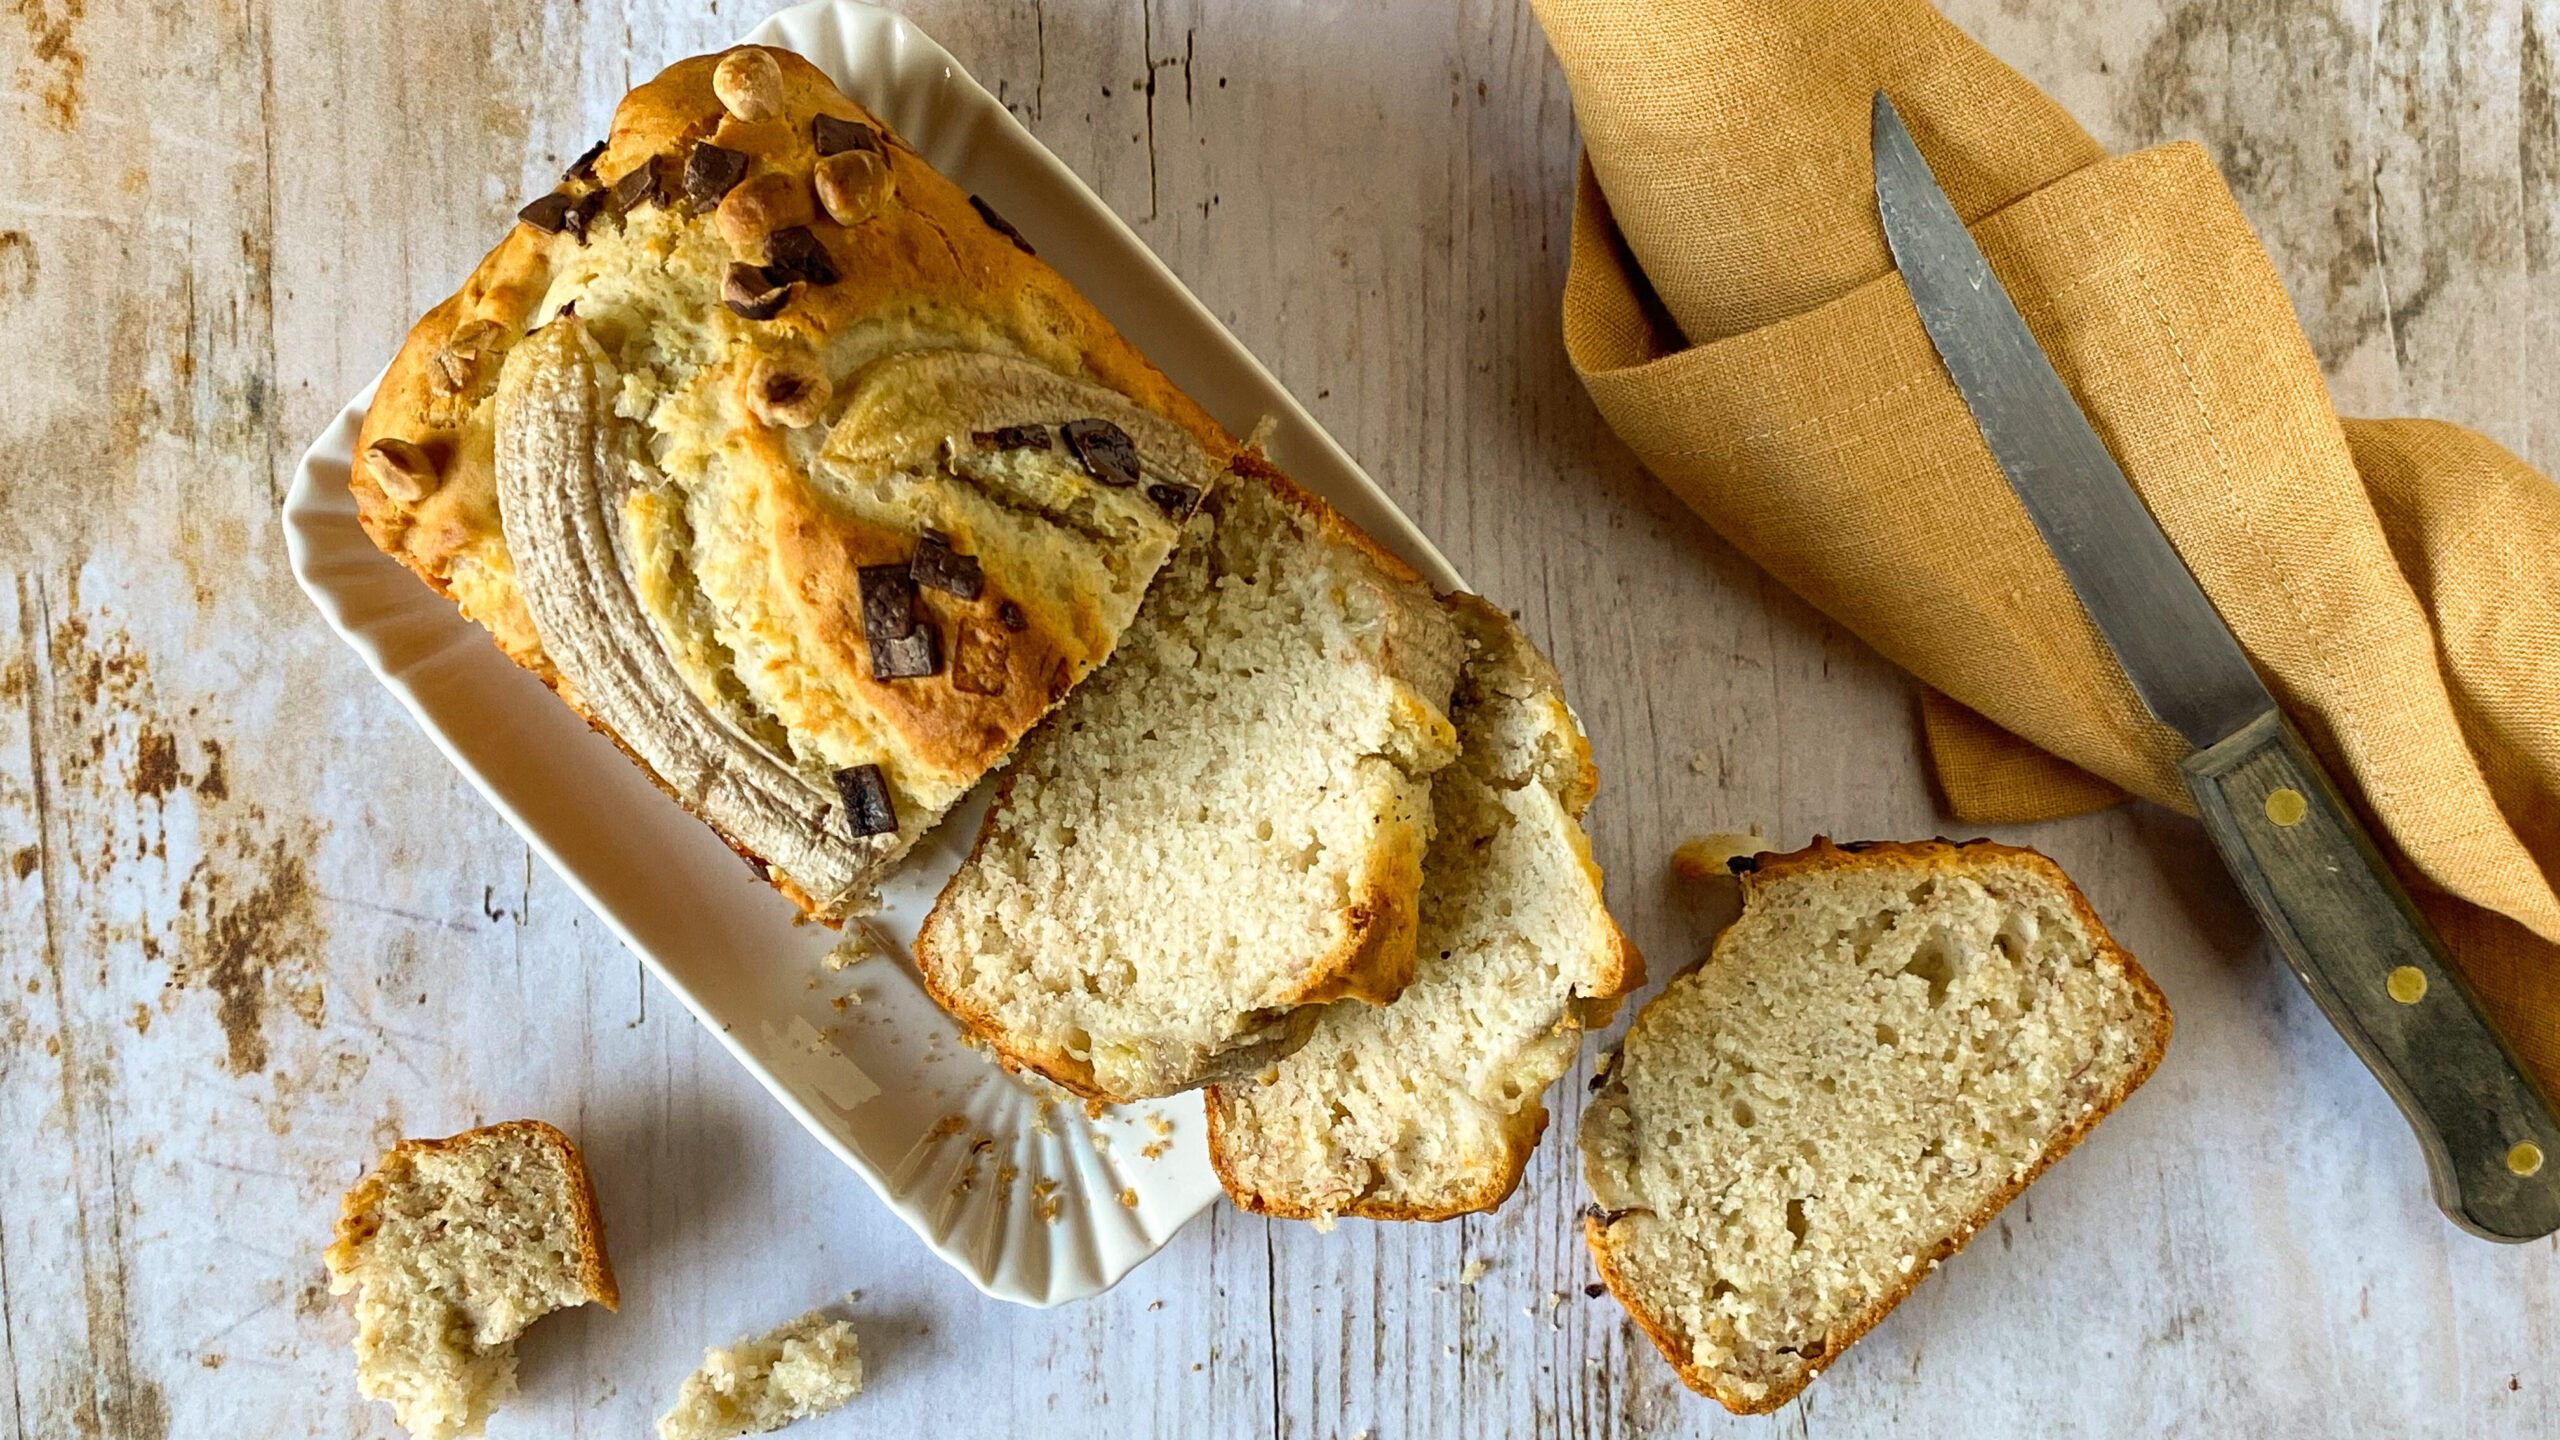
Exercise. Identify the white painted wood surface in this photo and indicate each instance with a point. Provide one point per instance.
(251, 928)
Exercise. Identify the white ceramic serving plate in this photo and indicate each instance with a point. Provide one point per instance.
(1041, 1214)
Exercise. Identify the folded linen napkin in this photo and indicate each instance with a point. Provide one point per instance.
(1735, 314)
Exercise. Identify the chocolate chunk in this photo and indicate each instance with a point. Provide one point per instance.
(549, 213)
(833, 136)
(751, 292)
(1174, 500)
(978, 659)
(888, 601)
(912, 656)
(1011, 617)
(939, 567)
(644, 184)
(867, 810)
(582, 214)
(584, 167)
(1105, 449)
(1595, 1290)
(711, 172)
(1013, 437)
(795, 254)
(1001, 225)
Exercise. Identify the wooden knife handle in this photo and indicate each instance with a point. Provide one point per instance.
(2332, 905)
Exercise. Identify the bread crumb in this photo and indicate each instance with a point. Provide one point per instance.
(1154, 1149)
(1709, 857)
(1154, 1305)
(860, 943)
(1093, 1109)
(1160, 1125)
(1554, 1298)
(1100, 1140)
(1472, 1271)
(762, 1383)
(1129, 1198)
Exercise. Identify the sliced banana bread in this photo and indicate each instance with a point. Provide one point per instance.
(1428, 1107)
(1223, 828)
(1887, 1045)
(453, 1247)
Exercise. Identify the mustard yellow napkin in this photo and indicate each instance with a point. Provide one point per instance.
(1735, 314)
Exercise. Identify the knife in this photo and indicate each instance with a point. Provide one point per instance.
(2318, 883)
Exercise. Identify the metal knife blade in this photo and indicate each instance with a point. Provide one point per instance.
(2321, 887)
(2173, 645)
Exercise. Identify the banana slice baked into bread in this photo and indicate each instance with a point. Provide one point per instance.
(1224, 828)
(1885, 1047)
(787, 463)
(1429, 1107)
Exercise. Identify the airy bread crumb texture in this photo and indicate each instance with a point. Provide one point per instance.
(1224, 820)
(453, 1247)
(1882, 1050)
(765, 1382)
(1430, 1106)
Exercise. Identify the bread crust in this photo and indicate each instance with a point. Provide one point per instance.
(927, 250)
(1523, 1128)
(1941, 856)
(357, 1223)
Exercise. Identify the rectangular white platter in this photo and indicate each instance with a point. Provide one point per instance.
(1031, 1200)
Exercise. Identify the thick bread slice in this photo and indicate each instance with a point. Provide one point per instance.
(1428, 1107)
(1887, 1045)
(1224, 827)
(454, 1246)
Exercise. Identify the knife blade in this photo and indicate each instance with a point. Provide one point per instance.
(2314, 876)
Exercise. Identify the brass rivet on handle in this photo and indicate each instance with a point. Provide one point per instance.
(2286, 806)
(2408, 984)
(2525, 1159)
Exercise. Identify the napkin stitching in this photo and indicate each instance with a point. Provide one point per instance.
(2343, 701)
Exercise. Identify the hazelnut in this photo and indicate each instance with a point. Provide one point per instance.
(787, 390)
(758, 207)
(455, 366)
(851, 184)
(749, 84)
(401, 469)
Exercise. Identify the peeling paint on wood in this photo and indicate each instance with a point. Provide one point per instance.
(252, 929)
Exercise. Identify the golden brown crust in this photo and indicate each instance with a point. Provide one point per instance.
(358, 1220)
(927, 251)
(1945, 857)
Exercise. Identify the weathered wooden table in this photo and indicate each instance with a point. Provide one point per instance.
(252, 928)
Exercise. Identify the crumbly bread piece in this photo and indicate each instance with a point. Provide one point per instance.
(1428, 1107)
(453, 1247)
(1224, 828)
(1887, 1045)
(767, 1381)
(676, 502)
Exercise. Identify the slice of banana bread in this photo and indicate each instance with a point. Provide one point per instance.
(1885, 1047)
(453, 1247)
(1223, 828)
(1429, 1107)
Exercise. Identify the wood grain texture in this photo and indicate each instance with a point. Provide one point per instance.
(252, 928)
